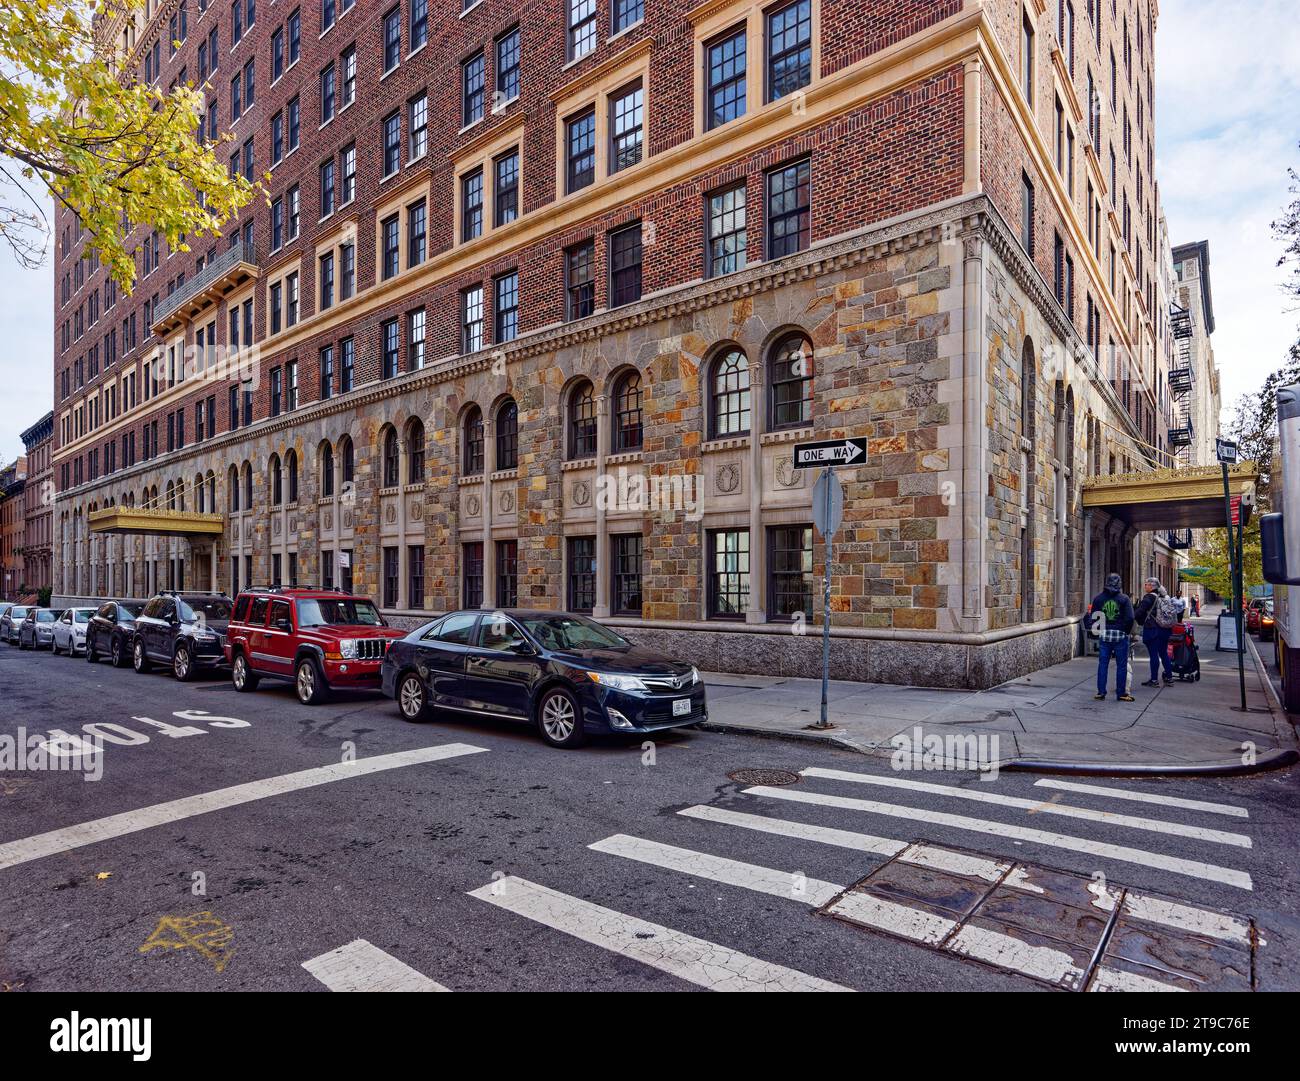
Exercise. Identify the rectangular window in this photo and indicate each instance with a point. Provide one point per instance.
(582, 574)
(392, 39)
(348, 364)
(419, 23)
(277, 138)
(472, 81)
(471, 210)
(416, 233)
(327, 16)
(391, 251)
(580, 154)
(415, 340)
(626, 579)
(627, 13)
(625, 265)
(291, 299)
(392, 143)
(390, 344)
(1027, 214)
(1027, 57)
(789, 49)
(626, 127)
(790, 572)
(349, 62)
(418, 127)
(291, 386)
(327, 374)
(277, 398)
(277, 54)
(726, 231)
(507, 69)
(471, 562)
(345, 569)
(726, 76)
(326, 276)
(471, 319)
(347, 270)
(415, 575)
(348, 173)
(728, 573)
(505, 188)
(506, 307)
(327, 189)
(507, 574)
(788, 209)
(293, 211)
(276, 307)
(582, 27)
(327, 103)
(580, 280)
(390, 577)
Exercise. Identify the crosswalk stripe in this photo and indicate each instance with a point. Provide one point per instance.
(1152, 825)
(1112, 979)
(788, 884)
(361, 966)
(695, 960)
(1199, 921)
(25, 849)
(901, 920)
(803, 831)
(1144, 797)
(1191, 868)
(1006, 951)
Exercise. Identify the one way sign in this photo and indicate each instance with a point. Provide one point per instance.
(830, 452)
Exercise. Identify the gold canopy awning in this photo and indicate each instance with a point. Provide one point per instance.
(148, 521)
(1187, 498)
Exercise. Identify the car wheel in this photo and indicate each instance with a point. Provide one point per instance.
(54, 646)
(90, 653)
(243, 677)
(559, 719)
(117, 653)
(412, 700)
(309, 682)
(140, 659)
(183, 663)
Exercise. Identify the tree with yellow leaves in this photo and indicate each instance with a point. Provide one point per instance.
(76, 121)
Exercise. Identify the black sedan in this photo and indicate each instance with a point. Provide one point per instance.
(565, 673)
(111, 631)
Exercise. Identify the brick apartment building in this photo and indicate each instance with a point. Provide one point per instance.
(546, 293)
(38, 505)
(13, 480)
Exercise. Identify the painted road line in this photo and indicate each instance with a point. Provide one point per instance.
(1191, 868)
(1199, 921)
(803, 831)
(66, 839)
(1112, 979)
(360, 966)
(957, 863)
(901, 920)
(1151, 825)
(695, 960)
(788, 884)
(1144, 797)
(1015, 955)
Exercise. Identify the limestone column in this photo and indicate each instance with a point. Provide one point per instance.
(601, 606)
(756, 612)
(403, 571)
(974, 434)
(489, 555)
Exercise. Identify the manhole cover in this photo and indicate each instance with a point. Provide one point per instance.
(763, 776)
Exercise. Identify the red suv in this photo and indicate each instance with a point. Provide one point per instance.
(317, 638)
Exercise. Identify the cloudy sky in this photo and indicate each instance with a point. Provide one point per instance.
(1227, 123)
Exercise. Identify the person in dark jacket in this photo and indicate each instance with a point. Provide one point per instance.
(1110, 620)
(1155, 636)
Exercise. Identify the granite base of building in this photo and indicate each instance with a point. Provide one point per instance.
(971, 662)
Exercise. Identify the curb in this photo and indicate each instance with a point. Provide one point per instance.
(1269, 760)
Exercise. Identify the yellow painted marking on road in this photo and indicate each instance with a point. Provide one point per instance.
(203, 932)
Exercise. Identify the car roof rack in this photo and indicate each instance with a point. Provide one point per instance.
(295, 589)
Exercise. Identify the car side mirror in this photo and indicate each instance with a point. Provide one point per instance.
(282, 625)
(521, 649)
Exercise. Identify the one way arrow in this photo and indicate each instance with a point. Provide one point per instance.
(851, 450)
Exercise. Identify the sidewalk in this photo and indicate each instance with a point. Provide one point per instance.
(1047, 720)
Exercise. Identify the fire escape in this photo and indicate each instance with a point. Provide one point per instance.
(1181, 380)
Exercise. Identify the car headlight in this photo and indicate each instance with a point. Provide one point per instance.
(695, 676)
(348, 649)
(617, 683)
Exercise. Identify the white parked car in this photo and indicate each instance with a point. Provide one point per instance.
(70, 631)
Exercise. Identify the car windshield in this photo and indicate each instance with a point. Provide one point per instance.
(131, 610)
(46, 615)
(16, 612)
(345, 611)
(82, 615)
(567, 632)
(213, 608)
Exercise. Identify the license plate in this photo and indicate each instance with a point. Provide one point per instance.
(681, 707)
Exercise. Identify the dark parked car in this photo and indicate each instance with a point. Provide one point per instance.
(319, 639)
(111, 632)
(567, 674)
(184, 630)
(10, 621)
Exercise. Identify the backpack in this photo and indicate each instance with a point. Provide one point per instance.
(1167, 611)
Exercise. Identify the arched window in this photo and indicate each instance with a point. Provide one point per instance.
(415, 452)
(508, 435)
(791, 383)
(390, 459)
(472, 456)
(326, 469)
(277, 480)
(729, 395)
(349, 459)
(171, 496)
(627, 412)
(212, 491)
(248, 486)
(582, 421)
(200, 494)
(291, 466)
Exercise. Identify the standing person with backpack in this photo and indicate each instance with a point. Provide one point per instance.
(1110, 620)
(1156, 613)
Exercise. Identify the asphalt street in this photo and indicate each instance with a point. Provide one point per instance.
(340, 846)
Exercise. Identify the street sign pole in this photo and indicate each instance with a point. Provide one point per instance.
(828, 479)
(1227, 452)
